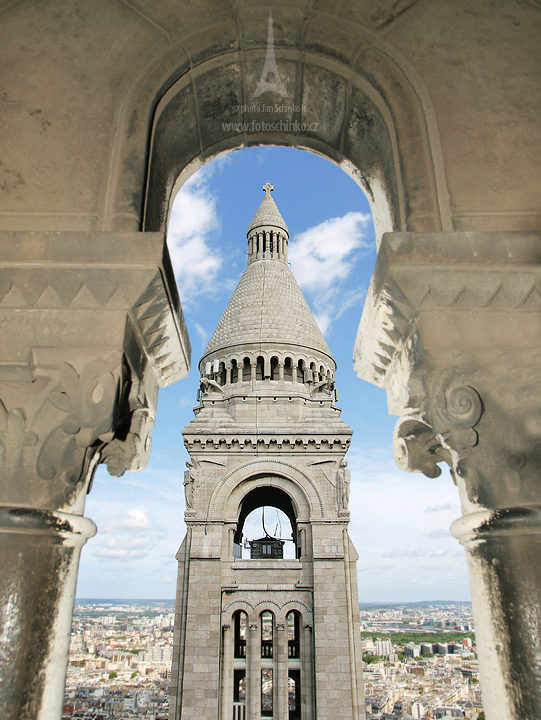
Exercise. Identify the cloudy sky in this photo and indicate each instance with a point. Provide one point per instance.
(399, 521)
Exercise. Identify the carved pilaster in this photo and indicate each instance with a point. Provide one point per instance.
(451, 330)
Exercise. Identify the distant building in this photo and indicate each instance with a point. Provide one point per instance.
(412, 650)
(383, 647)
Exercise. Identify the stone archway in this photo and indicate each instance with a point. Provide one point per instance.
(371, 115)
(80, 178)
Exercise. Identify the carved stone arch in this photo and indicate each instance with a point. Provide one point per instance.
(300, 606)
(379, 126)
(232, 607)
(230, 491)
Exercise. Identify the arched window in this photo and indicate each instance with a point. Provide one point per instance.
(267, 629)
(300, 371)
(259, 368)
(288, 370)
(221, 374)
(293, 634)
(246, 370)
(274, 368)
(234, 371)
(240, 620)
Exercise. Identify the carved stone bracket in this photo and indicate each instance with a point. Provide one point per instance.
(417, 449)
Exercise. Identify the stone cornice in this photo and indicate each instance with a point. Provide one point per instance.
(273, 442)
(421, 275)
(111, 273)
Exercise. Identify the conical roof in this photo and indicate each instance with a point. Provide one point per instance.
(267, 306)
(268, 213)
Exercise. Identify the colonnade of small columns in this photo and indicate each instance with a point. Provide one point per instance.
(267, 245)
(256, 658)
(265, 368)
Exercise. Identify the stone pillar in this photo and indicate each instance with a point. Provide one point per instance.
(253, 671)
(86, 321)
(453, 319)
(281, 371)
(227, 672)
(280, 669)
(307, 669)
(39, 555)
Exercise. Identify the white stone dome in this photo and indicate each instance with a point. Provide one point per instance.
(268, 307)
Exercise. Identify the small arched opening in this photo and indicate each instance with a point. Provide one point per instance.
(280, 524)
(234, 371)
(288, 370)
(274, 368)
(246, 370)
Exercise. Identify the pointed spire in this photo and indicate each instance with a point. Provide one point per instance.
(268, 234)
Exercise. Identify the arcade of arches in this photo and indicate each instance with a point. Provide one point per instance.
(107, 106)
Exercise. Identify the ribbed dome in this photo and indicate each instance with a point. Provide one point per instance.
(267, 306)
(268, 215)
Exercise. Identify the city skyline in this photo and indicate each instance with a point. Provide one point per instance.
(399, 521)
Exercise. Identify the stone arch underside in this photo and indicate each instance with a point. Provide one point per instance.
(369, 119)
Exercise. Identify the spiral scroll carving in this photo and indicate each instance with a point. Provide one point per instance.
(464, 406)
(454, 412)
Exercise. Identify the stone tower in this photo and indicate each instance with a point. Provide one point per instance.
(267, 637)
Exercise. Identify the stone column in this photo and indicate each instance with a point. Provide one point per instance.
(280, 670)
(87, 321)
(281, 371)
(451, 329)
(227, 671)
(307, 669)
(253, 671)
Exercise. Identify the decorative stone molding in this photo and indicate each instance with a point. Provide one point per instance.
(268, 442)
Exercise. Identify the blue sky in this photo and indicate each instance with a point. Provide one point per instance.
(399, 521)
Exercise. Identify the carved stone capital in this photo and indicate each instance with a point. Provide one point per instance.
(450, 329)
(90, 328)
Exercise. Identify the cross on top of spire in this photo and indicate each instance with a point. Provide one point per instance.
(267, 187)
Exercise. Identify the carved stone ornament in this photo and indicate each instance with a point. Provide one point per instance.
(453, 411)
(130, 448)
(416, 448)
(14, 437)
(89, 400)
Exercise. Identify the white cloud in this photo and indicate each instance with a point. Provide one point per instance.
(322, 258)
(203, 335)
(193, 219)
(135, 519)
(445, 506)
(395, 552)
(127, 535)
(438, 534)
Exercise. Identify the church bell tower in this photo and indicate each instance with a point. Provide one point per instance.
(265, 636)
